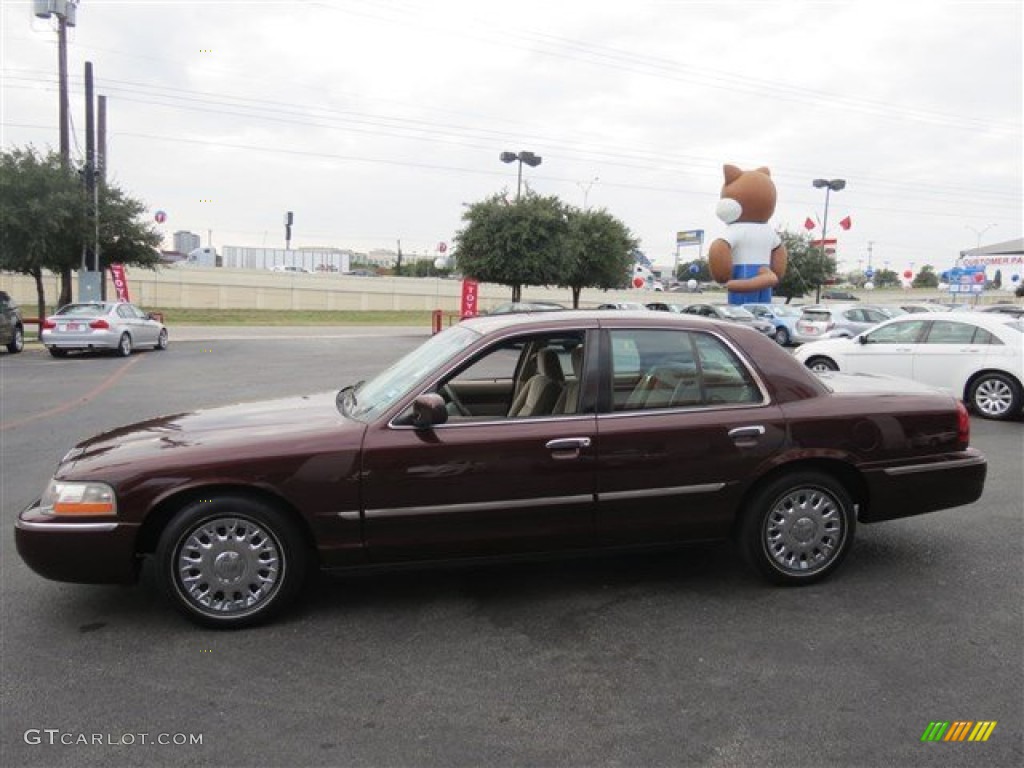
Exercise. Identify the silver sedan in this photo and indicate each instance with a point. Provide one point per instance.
(113, 325)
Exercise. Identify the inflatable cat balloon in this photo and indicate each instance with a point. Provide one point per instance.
(750, 259)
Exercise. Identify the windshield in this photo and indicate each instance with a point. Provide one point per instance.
(369, 400)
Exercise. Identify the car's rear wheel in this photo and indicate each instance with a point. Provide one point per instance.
(995, 396)
(782, 336)
(821, 364)
(124, 345)
(17, 342)
(57, 352)
(161, 340)
(231, 561)
(798, 528)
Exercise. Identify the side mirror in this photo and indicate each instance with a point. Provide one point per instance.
(428, 410)
(862, 339)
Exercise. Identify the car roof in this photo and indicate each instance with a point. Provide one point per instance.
(586, 318)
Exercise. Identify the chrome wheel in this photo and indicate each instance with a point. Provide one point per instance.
(996, 396)
(17, 343)
(822, 365)
(804, 530)
(232, 560)
(161, 340)
(124, 345)
(228, 566)
(797, 528)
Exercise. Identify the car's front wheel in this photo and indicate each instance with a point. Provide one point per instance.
(231, 561)
(822, 364)
(782, 335)
(798, 528)
(995, 396)
(124, 345)
(17, 342)
(161, 340)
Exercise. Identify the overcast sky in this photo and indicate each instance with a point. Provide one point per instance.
(376, 120)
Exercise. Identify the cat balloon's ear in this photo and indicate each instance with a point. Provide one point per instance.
(764, 170)
(731, 173)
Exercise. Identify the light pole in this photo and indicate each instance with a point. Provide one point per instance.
(979, 232)
(529, 158)
(585, 188)
(65, 11)
(830, 185)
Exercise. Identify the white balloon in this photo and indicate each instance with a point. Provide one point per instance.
(869, 286)
(691, 284)
(440, 263)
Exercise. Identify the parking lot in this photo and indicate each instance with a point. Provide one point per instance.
(674, 658)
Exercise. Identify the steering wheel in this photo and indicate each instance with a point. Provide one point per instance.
(449, 393)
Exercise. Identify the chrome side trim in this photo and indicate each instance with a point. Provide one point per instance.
(487, 421)
(937, 466)
(349, 514)
(30, 525)
(482, 506)
(679, 490)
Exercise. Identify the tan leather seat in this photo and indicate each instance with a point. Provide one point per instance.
(541, 392)
(568, 401)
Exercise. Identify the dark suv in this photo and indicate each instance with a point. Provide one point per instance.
(12, 329)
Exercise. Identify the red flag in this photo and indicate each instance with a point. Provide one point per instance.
(846, 223)
(120, 281)
(470, 292)
(808, 223)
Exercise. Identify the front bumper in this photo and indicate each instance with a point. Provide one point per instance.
(941, 482)
(93, 551)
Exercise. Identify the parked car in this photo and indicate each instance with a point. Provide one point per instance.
(629, 305)
(290, 268)
(661, 306)
(12, 327)
(838, 296)
(782, 317)
(1014, 310)
(102, 325)
(731, 313)
(836, 321)
(976, 356)
(525, 306)
(507, 436)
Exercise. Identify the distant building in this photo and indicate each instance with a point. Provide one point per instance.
(186, 242)
(311, 259)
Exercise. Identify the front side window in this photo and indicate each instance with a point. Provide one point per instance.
(677, 369)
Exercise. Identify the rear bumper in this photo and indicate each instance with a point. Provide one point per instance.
(942, 482)
(85, 552)
(99, 339)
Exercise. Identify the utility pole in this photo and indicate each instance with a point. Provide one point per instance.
(101, 172)
(398, 262)
(89, 279)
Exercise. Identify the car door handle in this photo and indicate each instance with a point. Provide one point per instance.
(751, 431)
(567, 447)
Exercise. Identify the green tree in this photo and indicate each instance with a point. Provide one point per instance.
(886, 278)
(686, 271)
(598, 252)
(45, 218)
(926, 278)
(514, 244)
(808, 269)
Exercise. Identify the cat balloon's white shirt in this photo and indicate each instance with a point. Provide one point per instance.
(752, 244)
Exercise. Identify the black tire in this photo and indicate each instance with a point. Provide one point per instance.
(56, 352)
(782, 336)
(124, 345)
(17, 342)
(995, 396)
(822, 364)
(231, 561)
(162, 340)
(798, 528)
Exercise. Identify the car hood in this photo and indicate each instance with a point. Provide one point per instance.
(279, 427)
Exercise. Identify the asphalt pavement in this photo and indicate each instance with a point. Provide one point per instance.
(672, 659)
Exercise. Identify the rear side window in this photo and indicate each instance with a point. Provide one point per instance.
(655, 369)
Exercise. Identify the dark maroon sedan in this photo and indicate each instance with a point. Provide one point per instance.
(508, 435)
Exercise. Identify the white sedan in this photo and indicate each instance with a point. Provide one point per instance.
(975, 356)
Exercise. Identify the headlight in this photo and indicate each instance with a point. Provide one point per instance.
(64, 498)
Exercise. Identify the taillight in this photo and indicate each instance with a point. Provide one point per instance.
(101, 323)
(48, 324)
(963, 427)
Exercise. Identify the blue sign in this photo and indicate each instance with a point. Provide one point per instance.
(869, 273)
(967, 280)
